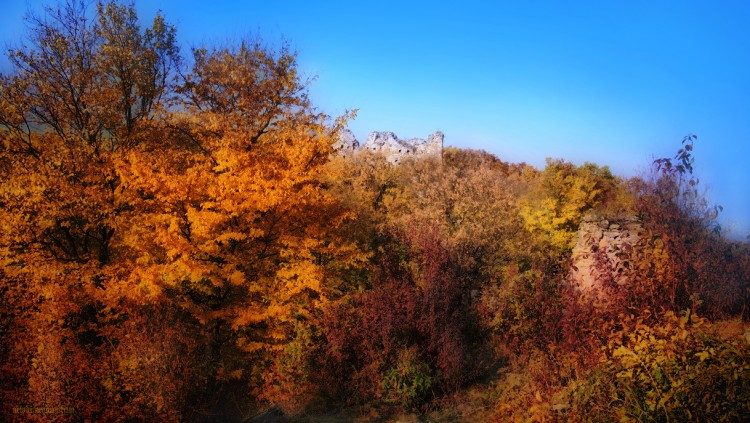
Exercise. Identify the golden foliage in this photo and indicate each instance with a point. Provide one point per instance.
(563, 193)
(677, 370)
(113, 201)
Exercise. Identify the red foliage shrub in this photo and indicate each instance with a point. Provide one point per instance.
(683, 260)
(525, 311)
(419, 303)
(680, 262)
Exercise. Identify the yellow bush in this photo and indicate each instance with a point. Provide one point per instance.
(674, 371)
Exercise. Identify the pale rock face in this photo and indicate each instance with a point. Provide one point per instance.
(604, 240)
(347, 144)
(396, 149)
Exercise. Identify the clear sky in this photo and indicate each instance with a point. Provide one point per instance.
(614, 83)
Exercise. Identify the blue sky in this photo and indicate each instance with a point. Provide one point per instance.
(615, 83)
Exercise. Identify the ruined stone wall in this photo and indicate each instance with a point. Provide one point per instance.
(388, 144)
(603, 239)
(347, 144)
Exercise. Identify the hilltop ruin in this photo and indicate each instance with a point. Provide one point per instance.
(394, 148)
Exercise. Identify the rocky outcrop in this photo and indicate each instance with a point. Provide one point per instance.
(347, 143)
(394, 148)
(600, 246)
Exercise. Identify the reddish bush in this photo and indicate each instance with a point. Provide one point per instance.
(418, 309)
(682, 260)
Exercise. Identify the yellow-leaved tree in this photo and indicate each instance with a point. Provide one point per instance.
(564, 192)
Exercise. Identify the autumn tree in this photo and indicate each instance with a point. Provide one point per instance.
(563, 193)
(233, 223)
(81, 95)
(85, 89)
(467, 195)
(132, 200)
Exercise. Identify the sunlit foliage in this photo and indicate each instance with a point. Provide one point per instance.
(156, 226)
(563, 193)
(180, 242)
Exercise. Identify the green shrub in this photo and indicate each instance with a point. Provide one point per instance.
(410, 382)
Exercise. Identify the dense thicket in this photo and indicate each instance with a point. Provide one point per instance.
(180, 243)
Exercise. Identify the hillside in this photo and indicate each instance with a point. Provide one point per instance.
(188, 241)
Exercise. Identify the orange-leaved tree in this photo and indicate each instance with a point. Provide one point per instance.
(232, 221)
(154, 227)
(83, 92)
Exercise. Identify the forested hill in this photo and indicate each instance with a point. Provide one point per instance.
(180, 242)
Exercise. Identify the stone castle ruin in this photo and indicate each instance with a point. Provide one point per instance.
(388, 144)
